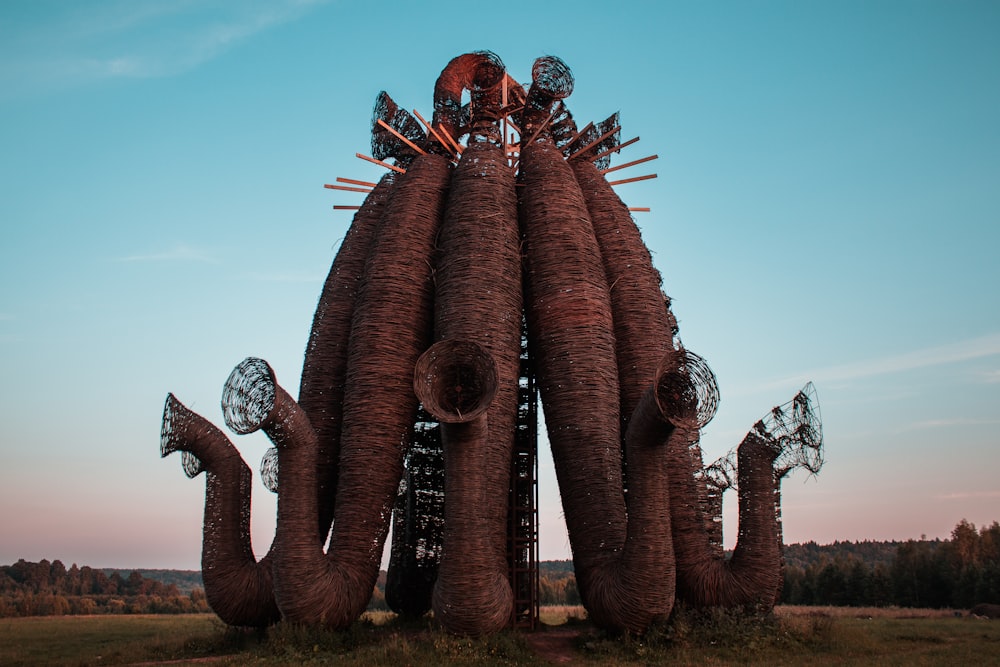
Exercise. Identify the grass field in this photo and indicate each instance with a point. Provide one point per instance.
(793, 636)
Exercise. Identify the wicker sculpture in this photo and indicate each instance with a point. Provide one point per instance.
(423, 307)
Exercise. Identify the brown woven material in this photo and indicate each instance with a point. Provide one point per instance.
(642, 332)
(432, 256)
(480, 73)
(457, 381)
(570, 328)
(321, 390)
(750, 577)
(391, 328)
(308, 587)
(237, 587)
(478, 300)
(795, 431)
(387, 144)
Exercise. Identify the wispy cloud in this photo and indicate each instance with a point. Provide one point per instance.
(117, 40)
(950, 353)
(948, 423)
(990, 377)
(179, 253)
(968, 495)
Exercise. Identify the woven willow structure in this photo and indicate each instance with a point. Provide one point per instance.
(480, 269)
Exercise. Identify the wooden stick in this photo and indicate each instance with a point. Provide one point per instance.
(640, 209)
(629, 164)
(344, 187)
(511, 124)
(380, 163)
(354, 182)
(401, 137)
(541, 127)
(632, 180)
(595, 142)
(453, 143)
(613, 149)
(440, 138)
(339, 207)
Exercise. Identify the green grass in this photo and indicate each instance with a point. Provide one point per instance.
(808, 637)
(109, 640)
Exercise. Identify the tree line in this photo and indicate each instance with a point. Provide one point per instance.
(50, 589)
(956, 573)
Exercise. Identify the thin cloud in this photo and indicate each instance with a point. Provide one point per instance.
(948, 423)
(179, 253)
(130, 40)
(950, 353)
(969, 495)
(990, 377)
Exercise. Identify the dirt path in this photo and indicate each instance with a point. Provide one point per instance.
(556, 646)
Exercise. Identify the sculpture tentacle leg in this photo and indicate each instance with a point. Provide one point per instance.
(309, 586)
(457, 382)
(750, 577)
(571, 327)
(478, 301)
(390, 327)
(238, 587)
(321, 390)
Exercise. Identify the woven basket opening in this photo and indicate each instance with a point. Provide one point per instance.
(456, 381)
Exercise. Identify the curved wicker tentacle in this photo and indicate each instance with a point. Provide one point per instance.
(571, 325)
(641, 590)
(237, 586)
(750, 577)
(642, 330)
(481, 73)
(388, 143)
(551, 82)
(321, 590)
(321, 389)
(390, 328)
(478, 299)
(457, 382)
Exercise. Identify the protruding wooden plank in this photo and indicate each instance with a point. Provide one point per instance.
(613, 149)
(380, 163)
(354, 182)
(401, 137)
(632, 180)
(629, 164)
(340, 207)
(639, 209)
(445, 139)
(586, 128)
(541, 127)
(595, 142)
(346, 188)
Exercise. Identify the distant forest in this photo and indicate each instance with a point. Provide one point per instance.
(956, 573)
(50, 589)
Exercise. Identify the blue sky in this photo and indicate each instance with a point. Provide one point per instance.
(827, 208)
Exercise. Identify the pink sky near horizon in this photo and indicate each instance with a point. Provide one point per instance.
(826, 209)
